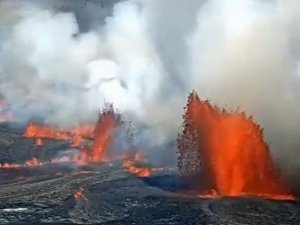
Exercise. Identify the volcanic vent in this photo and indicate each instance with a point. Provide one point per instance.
(226, 151)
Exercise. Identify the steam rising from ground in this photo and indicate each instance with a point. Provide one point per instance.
(146, 55)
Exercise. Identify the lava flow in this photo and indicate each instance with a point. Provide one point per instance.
(75, 135)
(33, 162)
(38, 142)
(80, 194)
(130, 164)
(228, 152)
(38, 131)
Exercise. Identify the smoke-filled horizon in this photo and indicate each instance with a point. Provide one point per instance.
(62, 61)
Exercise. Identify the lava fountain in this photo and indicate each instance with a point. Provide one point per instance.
(105, 129)
(102, 134)
(227, 150)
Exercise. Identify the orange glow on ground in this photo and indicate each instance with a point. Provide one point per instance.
(74, 135)
(38, 131)
(33, 162)
(130, 164)
(80, 194)
(38, 142)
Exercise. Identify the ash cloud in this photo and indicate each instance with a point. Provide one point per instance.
(63, 60)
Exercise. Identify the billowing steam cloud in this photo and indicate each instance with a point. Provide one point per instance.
(145, 55)
(246, 53)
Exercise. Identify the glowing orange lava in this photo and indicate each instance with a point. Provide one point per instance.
(76, 141)
(38, 131)
(105, 128)
(85, 131)
(38, 142)
(229, 152)
(9, 165)
(102, 135)
(130, 164)
(75, 136)
(80, 194)
(33, 162)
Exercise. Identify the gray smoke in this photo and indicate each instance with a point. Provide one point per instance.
(62, 60)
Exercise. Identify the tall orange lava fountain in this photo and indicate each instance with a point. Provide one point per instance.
(105, 129)
(229, 152)
(101, 134)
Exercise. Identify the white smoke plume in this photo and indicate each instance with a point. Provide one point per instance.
(246, 54)
(146, 55)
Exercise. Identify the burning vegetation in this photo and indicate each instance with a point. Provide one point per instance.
(226, 151)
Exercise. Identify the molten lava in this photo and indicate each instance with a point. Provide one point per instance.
(9, 165)
(85, 131)
(105, 128)
(80, 194)
(38, 142)
(75, 136)
(33, 162)
(102, 134)
(228, 151)
(130, 164)
(37, 131)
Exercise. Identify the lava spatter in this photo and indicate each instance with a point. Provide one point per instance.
(104, 131)
(228, 152)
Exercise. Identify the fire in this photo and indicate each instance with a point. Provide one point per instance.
(105, 129)
(229, 151)
(130, 164)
